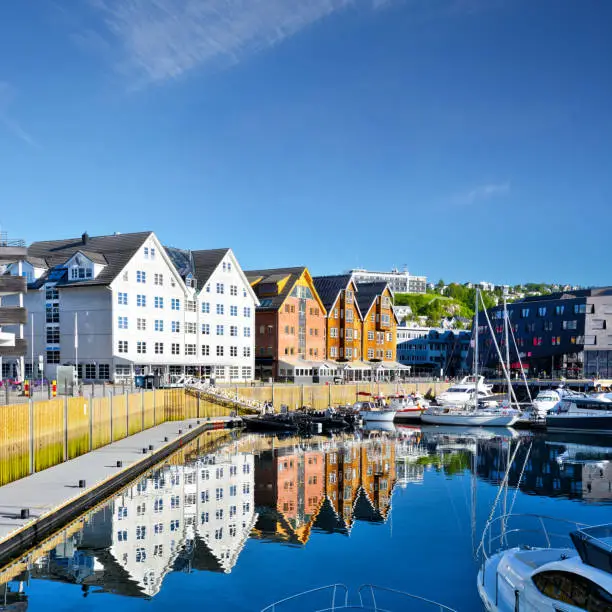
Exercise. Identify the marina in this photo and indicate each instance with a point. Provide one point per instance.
(219, 517)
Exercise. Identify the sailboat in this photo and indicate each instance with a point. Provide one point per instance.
(469, 413)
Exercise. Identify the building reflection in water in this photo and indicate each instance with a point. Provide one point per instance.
(197, 512)
(575, 470)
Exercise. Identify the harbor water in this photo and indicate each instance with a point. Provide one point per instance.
(239, 521)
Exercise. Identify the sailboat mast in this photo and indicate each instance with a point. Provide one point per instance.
(475, 334)
(506, 340)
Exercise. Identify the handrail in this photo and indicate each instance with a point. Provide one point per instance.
(15, 242)
(337, 586)
(373, 587)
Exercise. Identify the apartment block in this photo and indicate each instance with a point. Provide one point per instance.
(124, 304)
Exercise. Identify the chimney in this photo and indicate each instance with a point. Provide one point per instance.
(85, 238)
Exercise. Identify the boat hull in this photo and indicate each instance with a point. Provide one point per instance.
(408, 415)
(581, 424)
(470, 420)
(380, 416)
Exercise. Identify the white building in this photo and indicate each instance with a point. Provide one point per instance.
(409, 331)
(399, 282)
(202, 512)
(132, 306)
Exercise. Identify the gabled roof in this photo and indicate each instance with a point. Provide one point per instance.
(115, 251)
(274, 302)
(367, 293)
(329, 287)
(206, 262)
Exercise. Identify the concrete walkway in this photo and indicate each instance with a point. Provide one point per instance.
(56, 490)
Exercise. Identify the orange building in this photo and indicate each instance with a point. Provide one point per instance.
(338, 294)
(289, 326)
(379, 322)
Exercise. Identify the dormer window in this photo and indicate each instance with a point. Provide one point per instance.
(80, 269)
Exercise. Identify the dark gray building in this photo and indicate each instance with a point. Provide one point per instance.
(567, 334)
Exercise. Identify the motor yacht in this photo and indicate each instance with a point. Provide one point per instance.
(576, 575)
(467, 390)
(581, 414)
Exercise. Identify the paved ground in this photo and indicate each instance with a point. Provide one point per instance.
(45, 491)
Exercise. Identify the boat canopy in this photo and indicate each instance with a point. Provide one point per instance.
(594, 545)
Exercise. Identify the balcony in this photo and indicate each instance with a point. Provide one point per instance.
(12, 284)
(19, 350)
(13, 315)
(11, 250)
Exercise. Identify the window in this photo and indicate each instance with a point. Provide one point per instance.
(370, 335)
(219, 351)
(370, 353)
(190, 306)
(246, 372)
(389, 354)
(580, 308)
(333, 351)
(141, 347)
(524, 313)
(122, 323)
(234, 311)
(159, 348)
(158, 279)
(141, 300)
(175, 304)
(570, 324)
(146, 252)
(141, 324)
(573, 589)
(233, 330)
(247, 332)
(90, 371)
(219, 330)
(234, 353)
(233, 290)
(349, 315)
(51, 293)
(122, 346)
(389, 337)
(218, 494)
(176, 348)
(159, 325)
(542, 311)
(206, 307)
(141, 532)
(556, 340)
(122, 535)
(53, 335)
(190, 349)
(205, 350)
(126, 276)
(104, 371)
(174, 525)
(234, 372)
(247, 311)
(190, 328)
(158, 302)
(176, 327)
(122, 298)
(559, 310)
(141, 277)
(220, 309)
(333, 332)
(220, 288)
(205, 329)
(141, 555)
(246, 351)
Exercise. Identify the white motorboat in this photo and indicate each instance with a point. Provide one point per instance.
(575, 576)
(581, 414)
(494, 417)
(378, 415)
(408, 407)
(469, 389)
(549, 399)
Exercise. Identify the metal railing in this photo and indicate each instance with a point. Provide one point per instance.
(370, 597)
(14, 242)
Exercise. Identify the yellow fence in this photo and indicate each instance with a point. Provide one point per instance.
(320, 397)
(38, 435)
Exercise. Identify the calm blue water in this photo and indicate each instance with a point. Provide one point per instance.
(260, 518)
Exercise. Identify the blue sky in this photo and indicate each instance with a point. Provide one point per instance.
(468, 139)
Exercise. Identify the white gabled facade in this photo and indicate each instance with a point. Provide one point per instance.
(145, 320)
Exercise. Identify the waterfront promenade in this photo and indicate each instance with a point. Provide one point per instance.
(53, 496)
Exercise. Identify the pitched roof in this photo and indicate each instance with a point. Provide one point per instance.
(115, 251)
(206, 262)
(274, 302)
(367, 293)
(328, 287)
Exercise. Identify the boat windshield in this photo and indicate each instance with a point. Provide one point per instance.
(547, 397)
(594, 545)
(457, 390)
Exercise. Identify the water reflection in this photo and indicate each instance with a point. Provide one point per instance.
(197, 511)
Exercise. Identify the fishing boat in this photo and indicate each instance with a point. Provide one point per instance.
(369, 597)
(581, 414)
(569, 569)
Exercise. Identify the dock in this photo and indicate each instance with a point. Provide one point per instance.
(35, 506)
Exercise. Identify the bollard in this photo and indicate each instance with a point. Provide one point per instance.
(119, 463)
(144, 451)
(190, 425)
(82, 484)
(25, 513)
(150, 447)
(166, 439)
(180, 432)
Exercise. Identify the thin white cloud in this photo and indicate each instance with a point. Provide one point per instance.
(7, 97)
(483, 192)
(164, 39)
